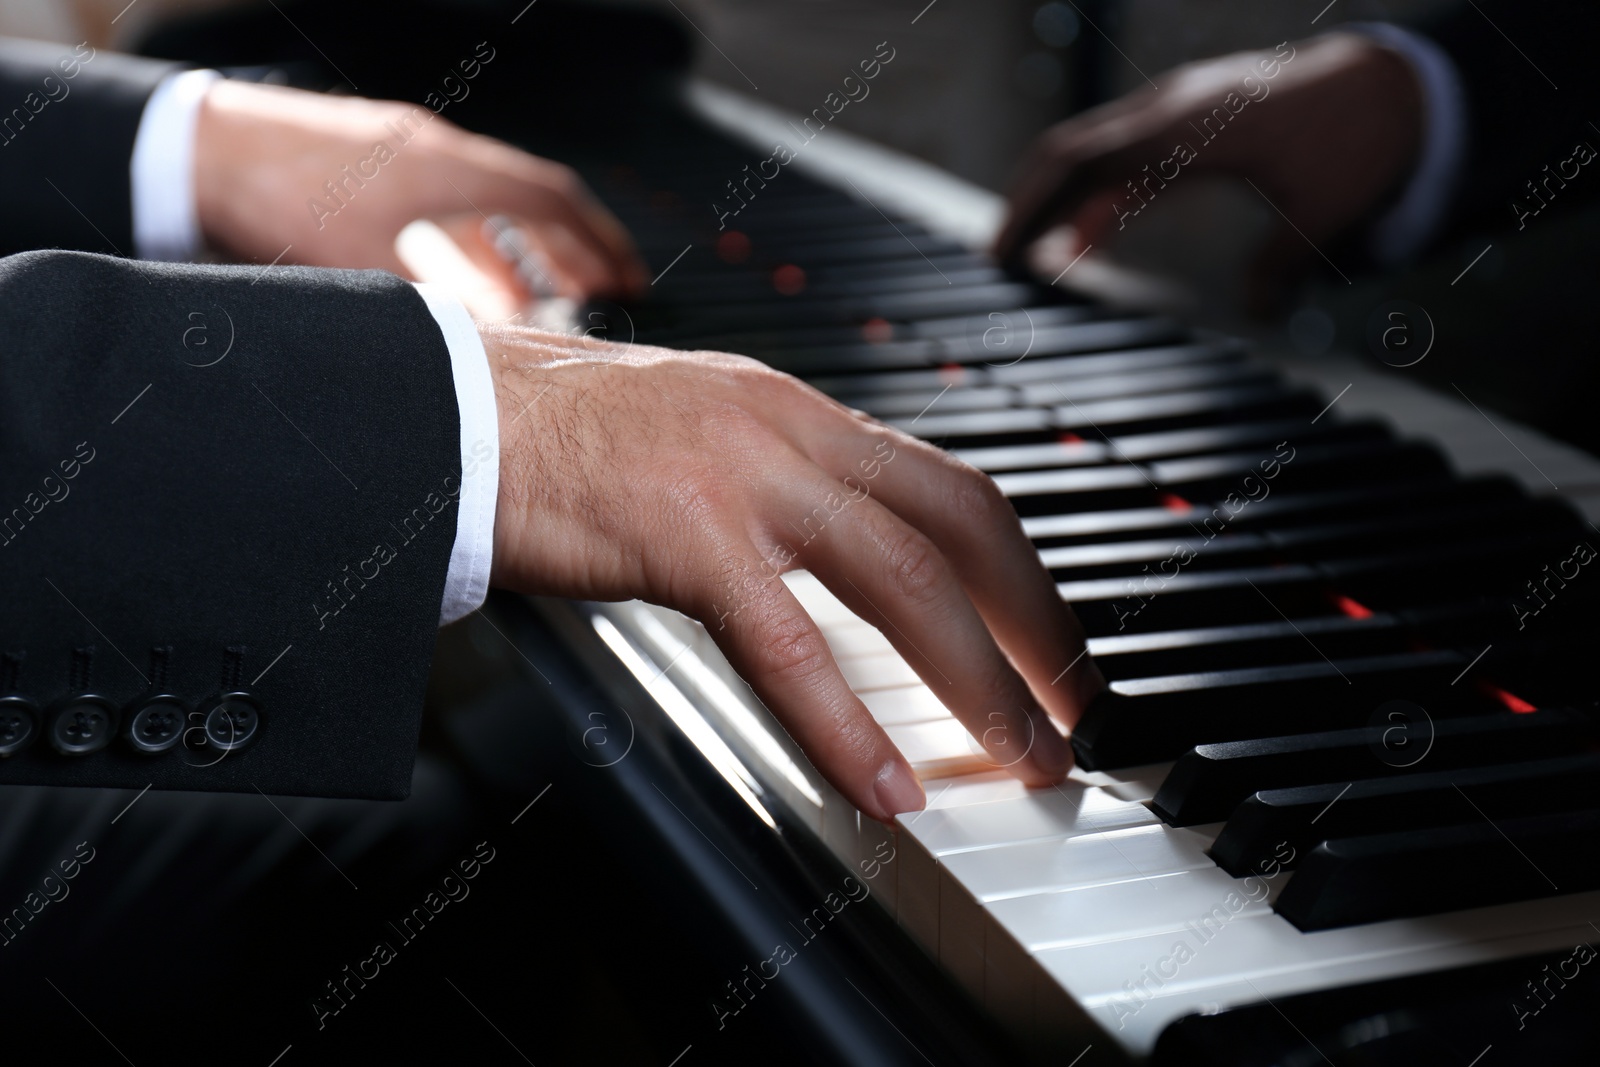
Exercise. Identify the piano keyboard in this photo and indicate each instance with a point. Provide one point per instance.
(1349, 734)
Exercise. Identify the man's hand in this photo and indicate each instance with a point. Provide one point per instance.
(337, 178)
(1325, 128)
(693, 479)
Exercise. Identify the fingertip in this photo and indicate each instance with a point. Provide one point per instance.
(897, 790)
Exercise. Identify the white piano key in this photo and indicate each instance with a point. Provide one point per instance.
(1200, 903)
(939, 749)
(856, 639)
(974, 789)
(1068, 810)
(1263, 955)
(1015, 870)
(878, 860)
(841, 830)
(906, 705)
(885, 670)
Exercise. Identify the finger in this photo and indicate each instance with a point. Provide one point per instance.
(973, 525)
(1093, 221)
(776, 647)
(566, 202)
(451, 253)
(1050, 191)
(895, 577)
(580, 272)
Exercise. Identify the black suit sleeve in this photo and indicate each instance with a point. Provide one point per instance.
(219, 480)
(1531, 91)
(68, 118)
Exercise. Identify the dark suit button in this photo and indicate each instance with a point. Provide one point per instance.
(232, 720)
(19, 724)
(82, 724)
(156, 723)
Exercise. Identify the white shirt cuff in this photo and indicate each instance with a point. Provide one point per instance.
(467, 582)
(1407, 227)
(166, 224)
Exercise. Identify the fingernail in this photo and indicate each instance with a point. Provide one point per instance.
(898, 790)
(1052, 753)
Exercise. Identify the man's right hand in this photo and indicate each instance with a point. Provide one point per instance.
(693, 479)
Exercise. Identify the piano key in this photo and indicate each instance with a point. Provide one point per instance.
(1143, 720)
(1286, 510)
(1129, 383)
(905, 705)
(1236, 435)
(1262, 644)
(939, 748)
(1423, 872)
(1137, 985)
(1168, 596)
(1045, 492)
(892, 405)
(1135, 905)
(1209, 781)
(1304, 815)
(1093, 336)
(1050, 454)
(1177, 410)
(1041, 367)
(1051, 865)
(885, 671)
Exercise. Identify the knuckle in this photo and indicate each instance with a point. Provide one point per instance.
(916, 571)
(975, 499)
(791, 649)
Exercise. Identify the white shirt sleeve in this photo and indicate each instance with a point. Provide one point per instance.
(166, 227)
(165, 223)
(1407, 227)
(467, 582)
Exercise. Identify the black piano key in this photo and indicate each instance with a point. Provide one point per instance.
(1175, 443)
(983, 428)
(732, 290)
(1279, 511)
(993, 372)
(1171, 411)
(1048, 455)
(1427, 872)
(1095, 336)
(1168, 597)
(1208, 782)
(957, 327)
(1046, 492)
(1045, 367)
(1260, 644)
(681, 324)
(1235, 435)
(1294, 468)
(1152, 719)
(1331, 542)
(900, 405)
(950, 396)
(1130, 383)
(1301, 816)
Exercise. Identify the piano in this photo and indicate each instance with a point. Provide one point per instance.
(1339, 804)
